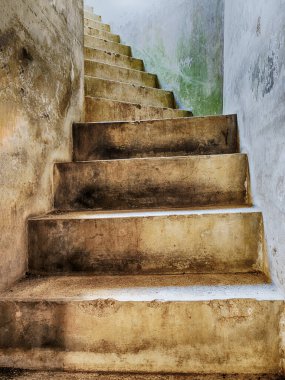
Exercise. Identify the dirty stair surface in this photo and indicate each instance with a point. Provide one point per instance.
(123, 323)
(10, 374)
(153, 259)
(147, 242)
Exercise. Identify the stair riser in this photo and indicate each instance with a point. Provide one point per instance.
(222, 336)
(125, 92)
(149, 183)
(97, 109)
(114, 73)
(92, 16)
(96, 25)
(207, 243)
(114, 59)
(97, 43)
(99, 33)
(216, 135)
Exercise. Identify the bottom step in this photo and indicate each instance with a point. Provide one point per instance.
(155, 324)
(100, 109)
(29, 375)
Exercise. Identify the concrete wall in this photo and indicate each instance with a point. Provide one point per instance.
(180, 40)
(41, 94)
(254, 88)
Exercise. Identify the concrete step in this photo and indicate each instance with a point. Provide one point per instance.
(140, 183)
(153, 242)
(92, 16)
(99, 33)
(113, 59)
(168, 137)
(126, 92)
(19, 374)
(99, 109)
(120, 74)
(96, 24)
(99, 43)
(162, 324)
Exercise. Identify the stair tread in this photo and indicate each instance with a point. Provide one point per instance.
(148, 159)
(120, 74)
(108, 110)
(117, 67)
(190, 120)
(104, 44)
(176, 110)
(105, 214)
(105, 40)
(145, 288)
(99, 33)
(96, 21)
(114, 89)
(111, 53)
(96, 24)
(157, 90)
(89, 16)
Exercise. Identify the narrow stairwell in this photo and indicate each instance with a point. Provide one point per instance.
(153, 259)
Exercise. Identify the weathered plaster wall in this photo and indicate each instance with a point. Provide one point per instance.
(41, 94)
(254, 87)
(180, 40)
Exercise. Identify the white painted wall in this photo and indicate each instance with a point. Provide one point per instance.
(254, 88)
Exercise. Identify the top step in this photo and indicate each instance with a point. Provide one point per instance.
(92, 16)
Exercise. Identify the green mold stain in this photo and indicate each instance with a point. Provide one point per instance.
(194, 70)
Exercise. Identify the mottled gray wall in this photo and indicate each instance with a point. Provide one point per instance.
(180, 40)
(254, 87)
(41, 94)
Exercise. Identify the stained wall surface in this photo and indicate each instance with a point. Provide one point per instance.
(254, 89)
(180, 40)
(41, 94)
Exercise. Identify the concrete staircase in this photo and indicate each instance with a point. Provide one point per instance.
(153, 259)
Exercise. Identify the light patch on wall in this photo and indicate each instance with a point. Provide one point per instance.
(264, 74)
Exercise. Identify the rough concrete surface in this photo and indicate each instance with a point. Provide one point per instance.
(102, 70)
(144, 288)
(254, 88)
(152, 182)
(99, 33)
(10, 374)
(148, 242)
(41, 92)
(113, 59)
(168, 137)
(99, 43)
(129, 324)
(99, 109)
(103, 34)
(126, 92)
(97, 25)
(91, 15)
